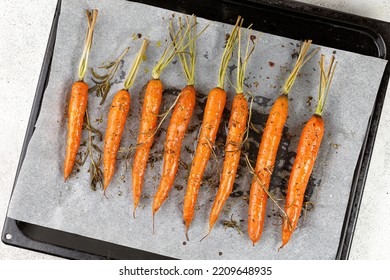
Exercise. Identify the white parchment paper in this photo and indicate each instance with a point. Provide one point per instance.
(41, 197)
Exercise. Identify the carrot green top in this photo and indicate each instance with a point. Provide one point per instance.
(298, 65)
(186, 42)
(241, 63)
(325, 82)
(228, 52)
(134, 68)
(91, 16)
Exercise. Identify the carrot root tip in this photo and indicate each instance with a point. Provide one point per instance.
(208, 233)
(281, 247)
(153, 222)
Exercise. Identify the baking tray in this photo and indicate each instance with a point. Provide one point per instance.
(284, 18)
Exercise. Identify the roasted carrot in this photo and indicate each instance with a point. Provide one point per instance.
(211, 119)
(236, 131)
(307, 151)
(149, 116)
(180, 118)
(269, 145)
(78, 101)
(116, 120)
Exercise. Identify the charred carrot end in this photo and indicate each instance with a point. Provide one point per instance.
(148, 123)
(77, 106)
(115, 125)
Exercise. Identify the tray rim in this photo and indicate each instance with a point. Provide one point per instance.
(363, 163)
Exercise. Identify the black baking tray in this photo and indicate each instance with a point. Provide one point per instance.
(284, 18)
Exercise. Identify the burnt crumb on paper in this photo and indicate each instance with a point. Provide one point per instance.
(271, 64)
(309, 99)
(295, 54)
(252, 38)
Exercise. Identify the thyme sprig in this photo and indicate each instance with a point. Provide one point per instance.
(103, 82)
(94, 153)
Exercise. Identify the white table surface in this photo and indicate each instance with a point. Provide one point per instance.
(24, 31)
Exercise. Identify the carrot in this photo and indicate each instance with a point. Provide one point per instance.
(149, 116)
(180, 118)
(266, 156)
(237, 129)
(307, 151)
(78, 101)
(116, 120)
(211, 119)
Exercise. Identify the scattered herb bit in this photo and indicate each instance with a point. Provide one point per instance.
(336, 146)
(158, 44)
(99, 120)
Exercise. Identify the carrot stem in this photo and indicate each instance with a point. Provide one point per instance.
(134, 68)
(302, 59)
(91, 16)
(325, 82)
(241, 63)
(227, 52)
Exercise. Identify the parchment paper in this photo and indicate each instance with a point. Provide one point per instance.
(41, 197)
